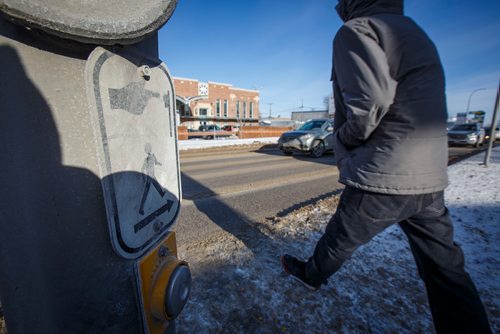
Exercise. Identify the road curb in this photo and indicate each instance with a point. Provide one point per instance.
(453, 160)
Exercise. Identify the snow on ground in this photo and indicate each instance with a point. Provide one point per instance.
(205, 143)
(239, 287)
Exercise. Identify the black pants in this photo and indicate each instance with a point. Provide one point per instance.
(453, 298)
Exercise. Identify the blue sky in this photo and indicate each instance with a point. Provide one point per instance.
(283, 47)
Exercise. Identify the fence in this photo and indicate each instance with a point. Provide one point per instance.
(244, 132)
(262, 131)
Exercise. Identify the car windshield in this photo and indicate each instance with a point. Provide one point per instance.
(464, 127)
(312, 125)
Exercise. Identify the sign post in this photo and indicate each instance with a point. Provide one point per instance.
(90, 175)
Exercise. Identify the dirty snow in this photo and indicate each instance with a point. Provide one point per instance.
(202, 143)
(239, 287)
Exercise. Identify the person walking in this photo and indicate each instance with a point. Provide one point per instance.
(390, 144)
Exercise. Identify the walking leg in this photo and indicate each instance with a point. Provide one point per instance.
(455, 303)
(359, 217)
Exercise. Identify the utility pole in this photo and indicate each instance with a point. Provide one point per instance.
(493, 127)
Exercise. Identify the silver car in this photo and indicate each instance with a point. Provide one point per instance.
(466, 134)
(314, 137)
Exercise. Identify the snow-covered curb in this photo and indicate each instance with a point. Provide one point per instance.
(239, 286)
(202, 143)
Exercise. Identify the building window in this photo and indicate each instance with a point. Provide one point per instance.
(225, 108)
(244, 110)
(237, 109)
(203, 112)
(251, 110)
(217, 108)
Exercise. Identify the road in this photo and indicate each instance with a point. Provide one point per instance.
(228, 190)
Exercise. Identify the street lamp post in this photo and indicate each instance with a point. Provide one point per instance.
(470, 97)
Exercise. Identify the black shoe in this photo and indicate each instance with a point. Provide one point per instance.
(297, 270)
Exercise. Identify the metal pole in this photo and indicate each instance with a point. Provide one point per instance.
(493, 127)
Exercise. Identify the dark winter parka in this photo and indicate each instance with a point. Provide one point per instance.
(390, 122)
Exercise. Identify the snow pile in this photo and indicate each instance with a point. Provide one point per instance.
(239, 287)
(202, 143)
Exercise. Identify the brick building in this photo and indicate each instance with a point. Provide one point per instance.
(215, 103)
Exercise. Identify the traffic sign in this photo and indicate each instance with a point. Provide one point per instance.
(132, 113)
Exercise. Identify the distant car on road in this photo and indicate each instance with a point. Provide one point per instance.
(487, 132)
(314, 137)
(466, 134)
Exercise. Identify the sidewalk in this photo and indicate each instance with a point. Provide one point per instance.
(237, 289)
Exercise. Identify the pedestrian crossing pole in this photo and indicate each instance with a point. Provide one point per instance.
(90, 169)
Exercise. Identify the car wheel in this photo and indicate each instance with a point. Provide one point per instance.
(318, 148)
(287, 152)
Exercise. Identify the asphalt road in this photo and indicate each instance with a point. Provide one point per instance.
(229, 189)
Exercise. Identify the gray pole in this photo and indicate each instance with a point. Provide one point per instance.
(493, 127)
(85, 240)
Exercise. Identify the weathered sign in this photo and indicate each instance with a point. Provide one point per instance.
(132, 111)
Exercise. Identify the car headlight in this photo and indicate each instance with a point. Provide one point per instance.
(307, 136)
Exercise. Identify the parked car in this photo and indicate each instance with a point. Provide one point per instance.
(487, 133)
(210, 131)
(232, 128)
(466, 134)
(209, 127)
(314, 137)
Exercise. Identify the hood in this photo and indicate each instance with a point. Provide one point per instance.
(350, 9)
(461, 132)
(296, 133)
